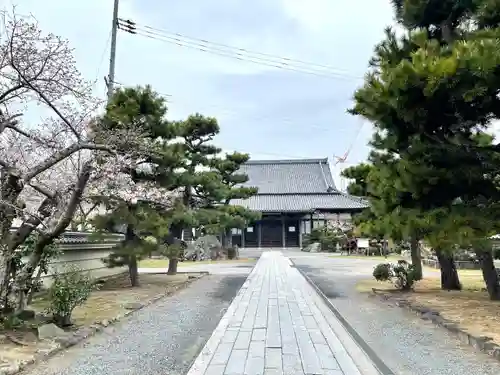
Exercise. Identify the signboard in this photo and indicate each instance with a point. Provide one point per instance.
(363, 243)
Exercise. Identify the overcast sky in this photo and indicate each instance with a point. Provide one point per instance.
(269, 112)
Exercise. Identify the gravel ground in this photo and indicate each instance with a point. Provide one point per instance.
(163, 338)
(406, 344)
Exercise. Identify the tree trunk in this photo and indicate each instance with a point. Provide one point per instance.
(416, 257)
(223, 238)
(133, 271)
(63, 320)
(449, 274)
(5, 272)
(24, 281)
(172, 266)
(10, 188)
(36, 280)
(228, 234)
(490, 275)
(130, 238)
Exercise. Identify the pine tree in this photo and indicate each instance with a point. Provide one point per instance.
(197, 184)
(232, 184)
(429, 94)
(385, 218)
(134, 203)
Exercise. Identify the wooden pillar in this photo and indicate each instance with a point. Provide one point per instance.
(259, 233)
(283, 232)
(301, 226)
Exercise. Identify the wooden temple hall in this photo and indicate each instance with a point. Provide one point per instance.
(294, 196)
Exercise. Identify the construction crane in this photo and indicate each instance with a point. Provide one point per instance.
(342, 159)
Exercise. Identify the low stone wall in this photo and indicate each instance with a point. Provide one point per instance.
(85, 251)
(460, 264)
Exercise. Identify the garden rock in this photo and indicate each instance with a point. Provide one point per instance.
(26, 315)
(43, 318)
(313, 248)
(50, 331)
(133, 306)
(204, 248)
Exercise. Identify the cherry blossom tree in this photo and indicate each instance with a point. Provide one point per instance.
(46, 113)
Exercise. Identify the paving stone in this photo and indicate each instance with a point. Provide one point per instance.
(316, 336)
(236, 362)
(254, 366)
(215, 370)
(273, 371)
(273, 358)
(326, 357)
(230, 336)
(257, 349)
(222, 353)
(259, 334)
(310, 322)
(243, 340)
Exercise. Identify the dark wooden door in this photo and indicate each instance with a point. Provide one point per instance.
(251, 238)
(236, 240)
(292, 233)
(272, 233)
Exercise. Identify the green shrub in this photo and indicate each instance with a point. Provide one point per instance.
(402, 274)
(383, 272)
(232, 253)
(328, 238)
(10, 322)
(496, 252)
(69, 289)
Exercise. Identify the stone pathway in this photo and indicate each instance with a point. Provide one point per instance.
(278, 324)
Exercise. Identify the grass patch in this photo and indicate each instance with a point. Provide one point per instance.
(163, 263)
(369, 257)
(470, 308)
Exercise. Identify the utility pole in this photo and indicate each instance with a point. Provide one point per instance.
(112, 55)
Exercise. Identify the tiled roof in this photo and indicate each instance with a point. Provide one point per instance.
(300, 202)
(295, 186)
(289, 176)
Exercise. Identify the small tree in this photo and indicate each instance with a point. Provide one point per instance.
(70, 288)
(233, 187)
(402, 274)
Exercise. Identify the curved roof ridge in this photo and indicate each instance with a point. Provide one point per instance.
(288, 161)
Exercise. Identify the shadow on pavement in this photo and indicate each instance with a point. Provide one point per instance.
(229, 287)
(327, 286)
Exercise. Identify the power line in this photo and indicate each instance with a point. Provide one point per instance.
(286, 60)
(166, 96)
(226, 111)
(101, 59)
(130, 27)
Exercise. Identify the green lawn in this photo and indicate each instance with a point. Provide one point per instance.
(163, 263)
(372, 257)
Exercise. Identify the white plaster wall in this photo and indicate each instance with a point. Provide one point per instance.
(86, 257)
